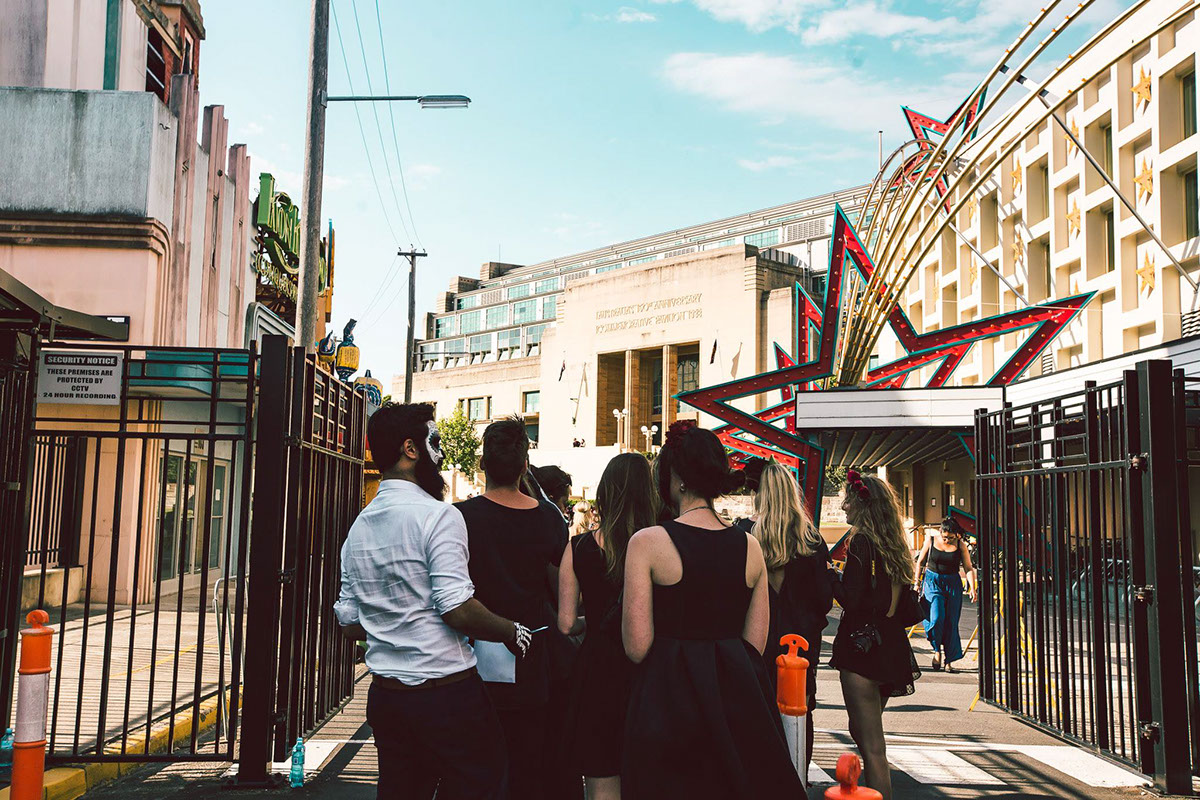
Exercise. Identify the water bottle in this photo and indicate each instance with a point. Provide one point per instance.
(297, 774)
(6, 755)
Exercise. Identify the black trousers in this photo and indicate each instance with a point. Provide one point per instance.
(447, 739)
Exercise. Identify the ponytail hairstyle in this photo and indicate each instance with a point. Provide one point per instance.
(784, 527)
(579, 521)
(696, 457)
(625, 501)
(877, 516)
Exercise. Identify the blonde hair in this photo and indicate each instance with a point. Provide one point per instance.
(877, 516)
(579, 521)
(784, 527)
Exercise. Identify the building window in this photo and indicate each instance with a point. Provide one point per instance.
(468, 323)
(549, 307)
(533, 334)
(156, 64)
(1110, 242)
(509, 339)
(609, 268)
(454, 348)
(497, 316)
(1107, 156)
(524, 311)
(443, 326)
(481, 345)
(1191, 205)
(478, 408)
(763, 239)
(642, 260)
(1188, 84)
(687, 373)
(467, 302)
(520, 290)
(531, 402)
(548, 285)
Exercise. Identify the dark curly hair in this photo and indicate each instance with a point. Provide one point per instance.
(698, 458)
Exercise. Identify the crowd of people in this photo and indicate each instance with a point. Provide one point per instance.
(524, 646)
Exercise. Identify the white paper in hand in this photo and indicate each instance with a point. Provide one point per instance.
(495, 663)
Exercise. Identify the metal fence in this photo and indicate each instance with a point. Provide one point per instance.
(137, 529)
(1083, 523)
(309, 471)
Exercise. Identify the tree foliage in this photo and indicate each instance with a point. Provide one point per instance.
(459, 442)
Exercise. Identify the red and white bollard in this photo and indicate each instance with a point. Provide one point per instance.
(791, 695)
(33, 695)
(849, 768)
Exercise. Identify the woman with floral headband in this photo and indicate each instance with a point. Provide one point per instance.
(871, 651)
(702, 721)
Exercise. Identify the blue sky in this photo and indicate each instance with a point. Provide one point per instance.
(592, 122)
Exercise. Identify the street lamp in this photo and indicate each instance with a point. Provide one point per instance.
(648, 433)
(424, 100)
(620, 414)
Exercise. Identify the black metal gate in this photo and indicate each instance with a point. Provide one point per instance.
(1088, 608)
(309, 474)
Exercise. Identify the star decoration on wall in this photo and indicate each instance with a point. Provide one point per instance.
(774, 431)
(972, 273)
(1146, 274)
(1142, 89)
(1017, 177)
(1071, 148)
(1018, 249)
(1073, 220)
(1144, 181)
(972, 206)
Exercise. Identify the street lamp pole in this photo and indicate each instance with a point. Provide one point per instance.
(314, 170)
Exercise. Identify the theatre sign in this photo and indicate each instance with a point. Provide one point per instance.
(276, 259)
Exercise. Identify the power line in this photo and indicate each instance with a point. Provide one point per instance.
(387, 164)
(387, 85)
(382, 290)
(362, 131)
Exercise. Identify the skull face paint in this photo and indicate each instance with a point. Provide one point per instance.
(433, 444)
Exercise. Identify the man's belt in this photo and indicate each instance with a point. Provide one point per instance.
(432, 683)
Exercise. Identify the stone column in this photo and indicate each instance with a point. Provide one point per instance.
(670, 365)
(633, 364)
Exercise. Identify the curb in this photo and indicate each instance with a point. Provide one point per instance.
(69, 783)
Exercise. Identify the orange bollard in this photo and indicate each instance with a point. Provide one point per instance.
(33, 695)
(849, 768)
(791, 697)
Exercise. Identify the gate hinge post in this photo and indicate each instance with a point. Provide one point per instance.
(287, 575)
(1149, 731)
(1144, 594)
(1139, 461)
(292, 440)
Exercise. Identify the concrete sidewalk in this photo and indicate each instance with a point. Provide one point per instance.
(937, 749)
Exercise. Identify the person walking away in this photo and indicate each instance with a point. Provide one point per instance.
(516, 542)
(871, 651)
(702, 722)
(800, 580)
(944, 555)
(406, 591)
(557, 485)
(594, 565)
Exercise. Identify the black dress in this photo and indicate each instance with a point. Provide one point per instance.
(865, 594)
(702, 722)
(599, 693)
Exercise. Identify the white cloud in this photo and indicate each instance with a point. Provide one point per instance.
(872, 19)
(768, 163)
(627, 14)
(757, 15)
(779, 88)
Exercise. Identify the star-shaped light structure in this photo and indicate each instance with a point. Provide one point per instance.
(1071, 148)
(1073, 220)
(1144, 181)
(1146, 274)
(1018, 248)
(972, 206)
(1017, 176)
(1143, 89)
(972, 273)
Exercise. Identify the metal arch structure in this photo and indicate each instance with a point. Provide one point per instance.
(943, 168)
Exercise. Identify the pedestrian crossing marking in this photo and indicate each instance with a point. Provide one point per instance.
(1083, 766)
(818, 776)
(938, 767)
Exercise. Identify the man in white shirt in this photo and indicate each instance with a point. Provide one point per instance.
(406, 590)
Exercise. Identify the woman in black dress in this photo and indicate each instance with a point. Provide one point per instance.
(871, 649)
(798, 570)
(702, 722)
(594, 564)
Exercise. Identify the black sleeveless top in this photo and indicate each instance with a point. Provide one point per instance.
(944, 563)
(711, 599)
(601, 594)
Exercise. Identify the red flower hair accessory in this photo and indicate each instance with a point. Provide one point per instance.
(679, 429)
(855, 482)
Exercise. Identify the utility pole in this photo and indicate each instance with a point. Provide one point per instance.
(314, 168)
(409, 351)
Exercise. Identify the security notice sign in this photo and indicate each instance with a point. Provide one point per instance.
(80, 377)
